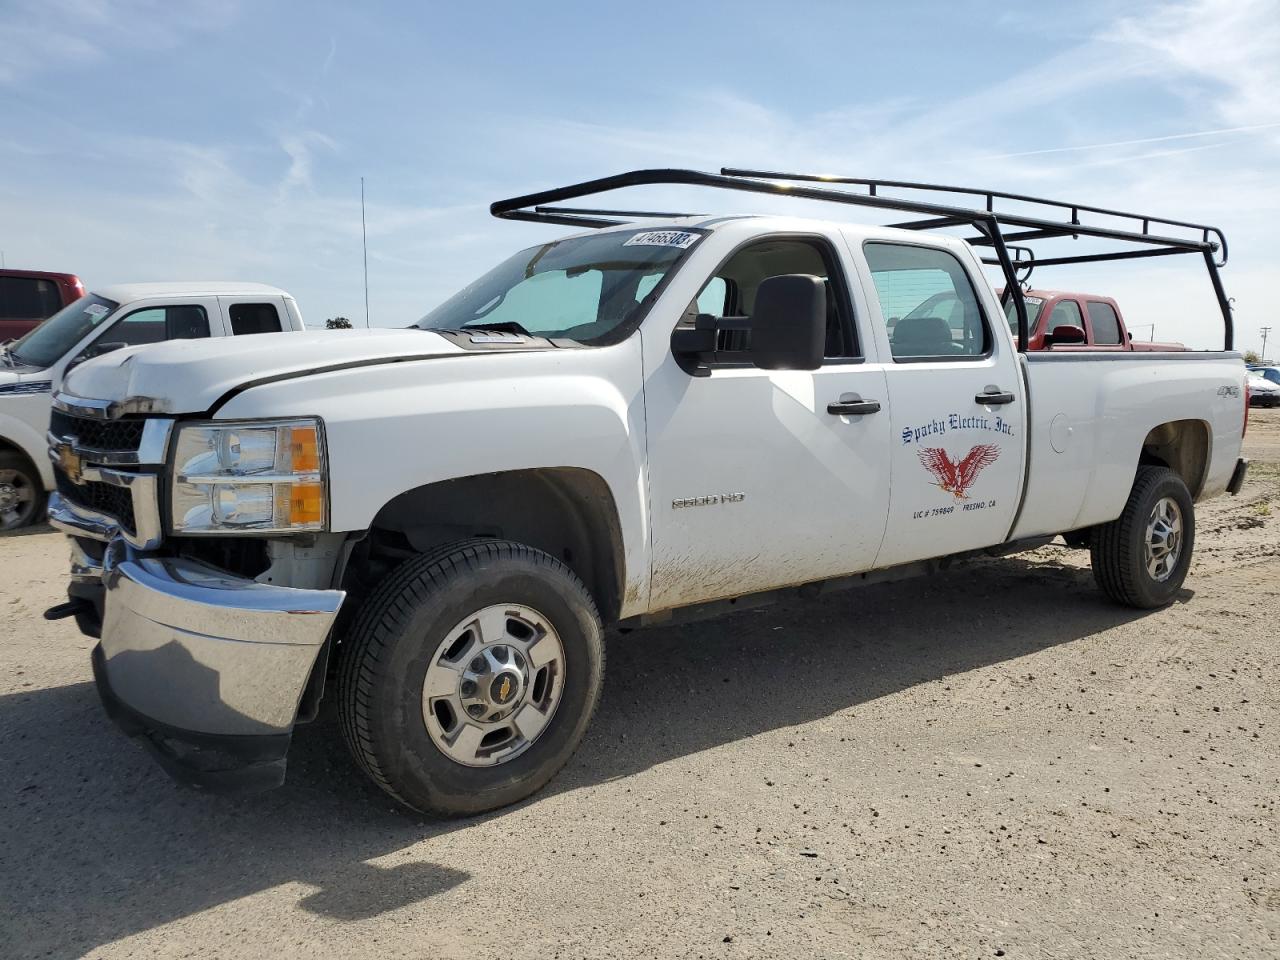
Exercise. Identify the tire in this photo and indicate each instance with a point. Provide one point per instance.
(1120, 557)
(22, 496)
(399, 735)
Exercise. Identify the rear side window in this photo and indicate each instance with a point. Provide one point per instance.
(28, 298)
(1066, 314)
(929, 304)
(249, 318)
(1106, 325)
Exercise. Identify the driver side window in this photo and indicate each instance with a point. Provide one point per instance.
(152, 325)
(1066, 314)
(731, 292)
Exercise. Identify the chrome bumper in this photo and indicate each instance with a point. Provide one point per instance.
(196, 649)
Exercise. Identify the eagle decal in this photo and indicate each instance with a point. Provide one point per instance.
(957, 477)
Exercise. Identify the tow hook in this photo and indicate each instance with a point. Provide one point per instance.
(69, 609)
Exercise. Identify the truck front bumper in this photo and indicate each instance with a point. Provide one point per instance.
(207, 667)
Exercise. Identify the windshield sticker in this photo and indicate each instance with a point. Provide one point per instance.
(96, 311)
(1033, 301)
(663, 238)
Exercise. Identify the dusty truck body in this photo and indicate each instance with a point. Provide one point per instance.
(658, 417)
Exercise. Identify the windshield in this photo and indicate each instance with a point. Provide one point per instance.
(47, 343)
(584, 288)
(1034, 306)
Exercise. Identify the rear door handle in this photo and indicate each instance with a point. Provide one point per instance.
(853, 408)
(994, 397)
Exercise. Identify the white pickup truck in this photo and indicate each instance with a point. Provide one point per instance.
(650, 419)
(108, 319)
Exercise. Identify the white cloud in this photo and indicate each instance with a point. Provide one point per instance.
(38, 36)
(1223, 55)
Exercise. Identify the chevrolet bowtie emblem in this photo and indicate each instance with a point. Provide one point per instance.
(69, 461)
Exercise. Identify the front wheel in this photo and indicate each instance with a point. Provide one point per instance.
(470, 676)
(21, 492)
(1141, 558)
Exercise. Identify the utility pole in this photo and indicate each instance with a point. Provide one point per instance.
(364, 241)
(1265, 331)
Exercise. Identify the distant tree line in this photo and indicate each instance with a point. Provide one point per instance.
(337, 323)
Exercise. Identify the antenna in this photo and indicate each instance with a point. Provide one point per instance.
(364, 241)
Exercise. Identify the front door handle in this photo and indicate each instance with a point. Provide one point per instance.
(853, 408)
(994, 397)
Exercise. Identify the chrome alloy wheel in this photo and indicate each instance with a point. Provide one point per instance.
(493, 685)
(17, 497)
(1164, 538)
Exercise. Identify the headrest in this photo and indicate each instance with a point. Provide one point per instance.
(922, 335)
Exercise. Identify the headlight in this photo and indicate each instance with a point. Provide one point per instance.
(249, 477)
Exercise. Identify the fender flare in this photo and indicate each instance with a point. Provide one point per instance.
(21, 436)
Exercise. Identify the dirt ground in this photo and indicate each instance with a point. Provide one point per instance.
(992, 763)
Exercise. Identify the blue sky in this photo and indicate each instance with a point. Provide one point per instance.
(203, 140)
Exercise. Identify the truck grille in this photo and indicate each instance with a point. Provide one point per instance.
(107, 498)
(107, 472)
(91, 434)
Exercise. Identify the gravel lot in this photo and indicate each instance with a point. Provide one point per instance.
(993, 763)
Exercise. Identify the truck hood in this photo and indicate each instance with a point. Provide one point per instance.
(189, 376)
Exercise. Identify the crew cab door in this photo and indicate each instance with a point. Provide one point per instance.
(753, 483)
(956, 402)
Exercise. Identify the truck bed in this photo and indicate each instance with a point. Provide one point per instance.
(1090, 413)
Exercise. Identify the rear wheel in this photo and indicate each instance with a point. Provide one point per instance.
(22, 495)
(1141, 558)
(470, 676)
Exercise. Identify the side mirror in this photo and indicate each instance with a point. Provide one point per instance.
(711, 339)
(697, 343)
(789, 323)
(1064, 334)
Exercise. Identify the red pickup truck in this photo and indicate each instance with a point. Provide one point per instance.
(1083, 320)
(28, 297)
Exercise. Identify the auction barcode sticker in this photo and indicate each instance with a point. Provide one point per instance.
(663, 238)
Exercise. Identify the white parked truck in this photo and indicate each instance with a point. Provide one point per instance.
(642, 421)
(104, 320)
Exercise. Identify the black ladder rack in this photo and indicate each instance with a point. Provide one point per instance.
(989, 222)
